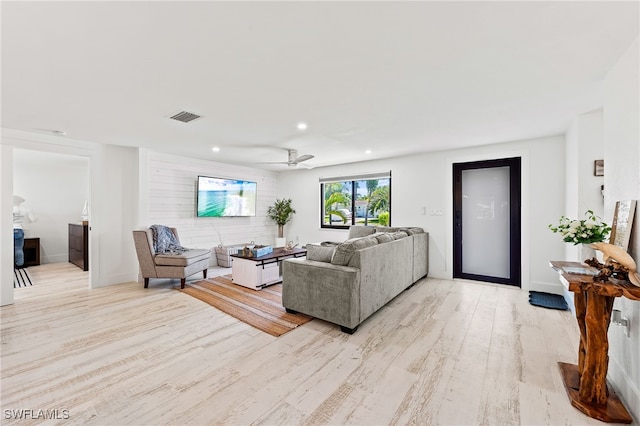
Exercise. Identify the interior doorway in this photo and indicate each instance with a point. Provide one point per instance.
(487, 221)
(54, 188)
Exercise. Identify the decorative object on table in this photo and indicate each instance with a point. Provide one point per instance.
(585, 231)
(598, 168)
(622, 223)
(85, 213)
(281, 212)
(617, 263)
(290, 246)
(258, 251)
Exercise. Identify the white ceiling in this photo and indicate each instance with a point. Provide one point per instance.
(393, 77)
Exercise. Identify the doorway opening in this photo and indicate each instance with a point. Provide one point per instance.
(54, 189)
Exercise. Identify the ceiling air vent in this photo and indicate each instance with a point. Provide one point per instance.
(185, 116)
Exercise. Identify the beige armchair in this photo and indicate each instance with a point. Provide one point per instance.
(181, 266)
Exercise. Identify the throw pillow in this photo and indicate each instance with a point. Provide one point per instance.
(320, 253)
(344, 252)
(386, 229)
(383, 237)
(399, 234)
(357, 231)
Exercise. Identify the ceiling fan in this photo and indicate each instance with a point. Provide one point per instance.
(294, 158)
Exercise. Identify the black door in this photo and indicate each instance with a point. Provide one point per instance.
(486, 221)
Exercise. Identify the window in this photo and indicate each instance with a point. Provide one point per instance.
(356, 200)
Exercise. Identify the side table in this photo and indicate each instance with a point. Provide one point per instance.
(586, 383)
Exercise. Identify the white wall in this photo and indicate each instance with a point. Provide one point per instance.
(55, 187)
(424, 181)
(6, 225)
(585, 144)
(168, 197)
(622, 182)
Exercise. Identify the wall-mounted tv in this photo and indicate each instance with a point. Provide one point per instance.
(219, 197)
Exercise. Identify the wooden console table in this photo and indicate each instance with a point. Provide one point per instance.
(586, 383)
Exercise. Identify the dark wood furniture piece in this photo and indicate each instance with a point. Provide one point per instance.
(79, 245)
(31, 251)
(586, 383)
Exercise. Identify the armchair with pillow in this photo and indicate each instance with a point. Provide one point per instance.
(160, 255)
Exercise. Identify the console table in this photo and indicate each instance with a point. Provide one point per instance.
(259, 272)
(586, 383)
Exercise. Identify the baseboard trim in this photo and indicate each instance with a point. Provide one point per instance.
(553, 288)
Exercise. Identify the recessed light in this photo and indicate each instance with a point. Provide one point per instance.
(216, 149)
(302, 126)
(368, 151)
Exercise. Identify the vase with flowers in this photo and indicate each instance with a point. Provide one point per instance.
(585, 231)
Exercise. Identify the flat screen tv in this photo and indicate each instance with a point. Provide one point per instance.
(219, 197)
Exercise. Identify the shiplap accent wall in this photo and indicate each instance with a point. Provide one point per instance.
(170, 193)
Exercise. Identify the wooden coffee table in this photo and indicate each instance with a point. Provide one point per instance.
(259, 272)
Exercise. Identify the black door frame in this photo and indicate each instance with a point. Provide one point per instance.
(515, 250)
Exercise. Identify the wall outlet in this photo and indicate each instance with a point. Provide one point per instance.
(436, 212)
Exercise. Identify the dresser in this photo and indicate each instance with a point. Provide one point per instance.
(79, 245)
(31, 251)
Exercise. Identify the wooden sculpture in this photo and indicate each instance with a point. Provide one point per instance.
(618, 255)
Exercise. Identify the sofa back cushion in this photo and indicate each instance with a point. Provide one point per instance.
(343, 253)
(386, 229)
(320, 253)
(383, 237)
(357, 231)
(413, 230)
(399, 234)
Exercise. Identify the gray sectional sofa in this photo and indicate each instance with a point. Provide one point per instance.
(345, 283)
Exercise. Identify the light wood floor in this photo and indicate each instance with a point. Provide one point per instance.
(442, 353)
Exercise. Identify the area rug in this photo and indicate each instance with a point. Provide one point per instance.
(21, 278)
(547, 300)
(261, 309)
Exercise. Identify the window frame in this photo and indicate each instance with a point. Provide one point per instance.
(352, 179)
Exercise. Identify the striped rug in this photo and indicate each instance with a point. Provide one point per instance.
(21, 278)
(261, 309)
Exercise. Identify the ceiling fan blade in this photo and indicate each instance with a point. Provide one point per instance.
(273, 162)
(303, 158)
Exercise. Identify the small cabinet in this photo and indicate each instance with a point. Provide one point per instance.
(79, 245)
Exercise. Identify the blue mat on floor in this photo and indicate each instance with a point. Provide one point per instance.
(547, 300)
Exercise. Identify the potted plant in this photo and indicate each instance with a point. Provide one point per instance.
(281, 212)
(585, 231)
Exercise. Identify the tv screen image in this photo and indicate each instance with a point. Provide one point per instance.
(219, 197)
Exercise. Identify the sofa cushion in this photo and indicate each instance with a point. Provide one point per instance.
(383, 237)
(357, 231)
(413, 230)
(386, 229)
(344, 251)
(320, 253)
(399, 234)
(184, 259)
